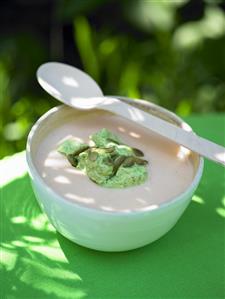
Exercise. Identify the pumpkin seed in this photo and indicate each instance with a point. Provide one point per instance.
(117, 163)
(137, 152)
(73, 160)
(140, 161)
(129, 161)
(119, 160)
(76, 153)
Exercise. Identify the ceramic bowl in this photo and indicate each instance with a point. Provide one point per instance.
(105, 230)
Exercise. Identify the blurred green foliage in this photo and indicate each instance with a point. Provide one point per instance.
(140, 49)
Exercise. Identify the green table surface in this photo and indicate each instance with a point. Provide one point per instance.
(188, 262)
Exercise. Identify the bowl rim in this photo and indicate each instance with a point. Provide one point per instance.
(37, 177)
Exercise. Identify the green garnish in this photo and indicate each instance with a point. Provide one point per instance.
(109, 163)
(72, 147)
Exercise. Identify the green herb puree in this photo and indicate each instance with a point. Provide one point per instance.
(109, 163)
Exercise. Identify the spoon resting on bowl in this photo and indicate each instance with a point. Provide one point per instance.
(75, 88)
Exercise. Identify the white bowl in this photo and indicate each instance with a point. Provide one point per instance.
(105, 230)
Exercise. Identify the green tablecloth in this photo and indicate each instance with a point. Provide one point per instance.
(37, 262)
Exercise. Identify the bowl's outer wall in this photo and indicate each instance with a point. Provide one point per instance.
(109, 231)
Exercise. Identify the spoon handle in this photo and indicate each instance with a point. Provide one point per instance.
(202, 146)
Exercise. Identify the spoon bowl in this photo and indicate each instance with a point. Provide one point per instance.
(68, 84)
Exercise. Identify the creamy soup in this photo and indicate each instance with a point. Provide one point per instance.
(170, 168)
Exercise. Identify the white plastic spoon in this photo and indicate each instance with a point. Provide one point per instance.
(76, 89)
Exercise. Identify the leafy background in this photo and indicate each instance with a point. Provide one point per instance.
(169, 52)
